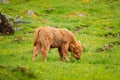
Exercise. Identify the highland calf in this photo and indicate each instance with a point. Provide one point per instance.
(63, 39)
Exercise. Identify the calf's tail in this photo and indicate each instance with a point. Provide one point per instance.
(36, 36)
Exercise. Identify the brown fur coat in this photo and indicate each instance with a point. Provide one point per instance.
(63, 39)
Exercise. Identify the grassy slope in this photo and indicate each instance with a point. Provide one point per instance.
(101, 19)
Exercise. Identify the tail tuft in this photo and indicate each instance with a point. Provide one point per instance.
(36, 35)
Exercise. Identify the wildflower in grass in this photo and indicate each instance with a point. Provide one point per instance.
(86, 0)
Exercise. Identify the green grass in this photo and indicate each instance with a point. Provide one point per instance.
(99, 26)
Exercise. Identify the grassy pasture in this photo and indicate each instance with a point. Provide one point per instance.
(95, 23)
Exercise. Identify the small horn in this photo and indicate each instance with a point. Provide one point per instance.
(79, 41)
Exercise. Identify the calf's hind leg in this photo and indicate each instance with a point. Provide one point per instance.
(36, 52)
(44, 51)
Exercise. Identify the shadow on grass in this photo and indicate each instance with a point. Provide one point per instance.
(19, 72)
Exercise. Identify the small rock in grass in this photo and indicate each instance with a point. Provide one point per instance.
(30, 13)
(4, 1)
(6, 27)
(18, 19)
(105, 47)
(50, 10)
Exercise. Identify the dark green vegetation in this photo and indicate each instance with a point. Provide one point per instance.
(96, 24)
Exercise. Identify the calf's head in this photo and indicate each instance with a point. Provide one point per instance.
(76, 50)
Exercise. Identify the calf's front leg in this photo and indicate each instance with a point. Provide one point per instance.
(64, 50)
(60, 54)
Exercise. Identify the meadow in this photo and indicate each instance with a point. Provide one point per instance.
(96, 23)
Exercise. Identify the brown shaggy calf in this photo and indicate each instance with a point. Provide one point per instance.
(49, 37)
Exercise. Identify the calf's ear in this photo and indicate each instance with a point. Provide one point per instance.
(72, 47)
